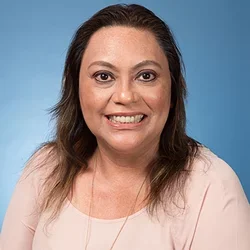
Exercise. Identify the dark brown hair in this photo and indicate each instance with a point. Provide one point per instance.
(74, 144)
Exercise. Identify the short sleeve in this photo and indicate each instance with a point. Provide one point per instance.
(223, 221)
(22, 215)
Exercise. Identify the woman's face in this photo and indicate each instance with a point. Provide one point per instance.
(125, 89)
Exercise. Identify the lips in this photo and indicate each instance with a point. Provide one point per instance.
(126, 119)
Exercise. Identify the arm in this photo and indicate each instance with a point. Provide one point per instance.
(224, 218)
(22, 214)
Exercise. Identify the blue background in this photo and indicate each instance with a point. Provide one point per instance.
(214, 37)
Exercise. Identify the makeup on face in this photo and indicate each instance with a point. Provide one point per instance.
(125, 87)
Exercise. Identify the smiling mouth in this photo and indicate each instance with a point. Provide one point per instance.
(126, 119)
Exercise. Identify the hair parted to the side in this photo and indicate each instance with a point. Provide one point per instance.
(74, 144)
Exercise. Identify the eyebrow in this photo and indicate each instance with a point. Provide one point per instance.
(138, 65)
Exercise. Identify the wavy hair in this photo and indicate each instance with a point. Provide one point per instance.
(73, 142)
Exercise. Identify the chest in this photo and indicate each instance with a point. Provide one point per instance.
(105, 202)
(69, 232)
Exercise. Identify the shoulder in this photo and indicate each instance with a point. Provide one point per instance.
(211, 169)
(214, 201)
(40, 164)
(42, 155)
(212, 180)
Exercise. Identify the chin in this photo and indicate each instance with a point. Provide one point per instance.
(124, 145)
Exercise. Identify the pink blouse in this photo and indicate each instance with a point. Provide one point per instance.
(216, 217)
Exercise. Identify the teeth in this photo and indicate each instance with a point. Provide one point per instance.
(125, 119)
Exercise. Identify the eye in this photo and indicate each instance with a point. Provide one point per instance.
(103, 77)
(146, 76)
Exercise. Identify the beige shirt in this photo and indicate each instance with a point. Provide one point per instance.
(216, 217)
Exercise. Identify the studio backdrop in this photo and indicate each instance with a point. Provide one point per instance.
(213, 36)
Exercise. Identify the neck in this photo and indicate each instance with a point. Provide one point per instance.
(121, 168)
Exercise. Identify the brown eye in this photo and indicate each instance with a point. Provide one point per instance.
(146, 76)
(103, 77)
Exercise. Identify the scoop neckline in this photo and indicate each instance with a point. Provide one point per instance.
(105, 221)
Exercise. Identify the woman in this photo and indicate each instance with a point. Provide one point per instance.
(121, 172)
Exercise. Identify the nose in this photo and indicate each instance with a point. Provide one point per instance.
(125, 94)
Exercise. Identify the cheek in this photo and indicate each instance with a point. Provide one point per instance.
(159, 100)
(92, 99)
(87, 98)
(86, 95)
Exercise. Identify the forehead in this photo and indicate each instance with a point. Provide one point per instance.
(121, 43)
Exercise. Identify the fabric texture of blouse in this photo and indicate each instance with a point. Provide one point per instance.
(216, 217)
